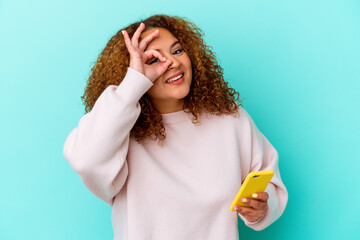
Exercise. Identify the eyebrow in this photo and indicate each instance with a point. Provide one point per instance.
(172, 45)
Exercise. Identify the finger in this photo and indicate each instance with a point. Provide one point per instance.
(262, 196)
(250, 214)
(246, 211)
(143, 43)
(128, 43)
(135, 38)
(254, 203)
(161, 68)
(150, 54)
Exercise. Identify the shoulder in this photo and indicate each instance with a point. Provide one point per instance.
(241, 119)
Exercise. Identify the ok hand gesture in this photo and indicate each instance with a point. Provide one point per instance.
(139, 57)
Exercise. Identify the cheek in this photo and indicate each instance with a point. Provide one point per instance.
(188, 65)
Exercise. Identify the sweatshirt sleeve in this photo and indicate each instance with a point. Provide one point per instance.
(265, 157)
(97, 148)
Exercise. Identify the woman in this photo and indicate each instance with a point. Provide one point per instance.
(164, 141)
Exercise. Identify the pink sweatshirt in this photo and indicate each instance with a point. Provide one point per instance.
(180, 190)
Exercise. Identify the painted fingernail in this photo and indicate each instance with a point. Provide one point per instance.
(244, 200)
(236, 208)
(254, 195)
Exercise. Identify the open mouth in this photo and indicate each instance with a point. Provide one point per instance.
(175, 79)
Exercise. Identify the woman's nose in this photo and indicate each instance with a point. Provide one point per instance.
(174, 62)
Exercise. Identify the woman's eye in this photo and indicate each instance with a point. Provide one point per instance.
(154, 61)
(178, 50)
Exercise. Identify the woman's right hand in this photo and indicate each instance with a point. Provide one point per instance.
(139, 57)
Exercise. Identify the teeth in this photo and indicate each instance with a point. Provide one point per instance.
(174, 79)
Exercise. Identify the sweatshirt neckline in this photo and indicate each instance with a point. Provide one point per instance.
(175, 117)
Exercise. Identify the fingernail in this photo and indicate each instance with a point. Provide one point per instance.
(254, 195)
(156, 30)
(122, 31)
(164, 58)
(141, 24)
(236, 208)
(244, 200)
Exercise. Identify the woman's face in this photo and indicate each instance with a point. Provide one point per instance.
(169, 90)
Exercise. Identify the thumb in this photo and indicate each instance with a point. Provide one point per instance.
(161, 68)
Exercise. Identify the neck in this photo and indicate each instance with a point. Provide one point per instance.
(168, 106)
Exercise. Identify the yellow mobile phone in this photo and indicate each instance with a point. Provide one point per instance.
(254, 182)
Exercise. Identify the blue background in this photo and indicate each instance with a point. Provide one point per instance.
(296, 64)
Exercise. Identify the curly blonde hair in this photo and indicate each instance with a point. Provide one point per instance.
(208, 92)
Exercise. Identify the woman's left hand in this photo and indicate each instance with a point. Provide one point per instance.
(258, 206)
